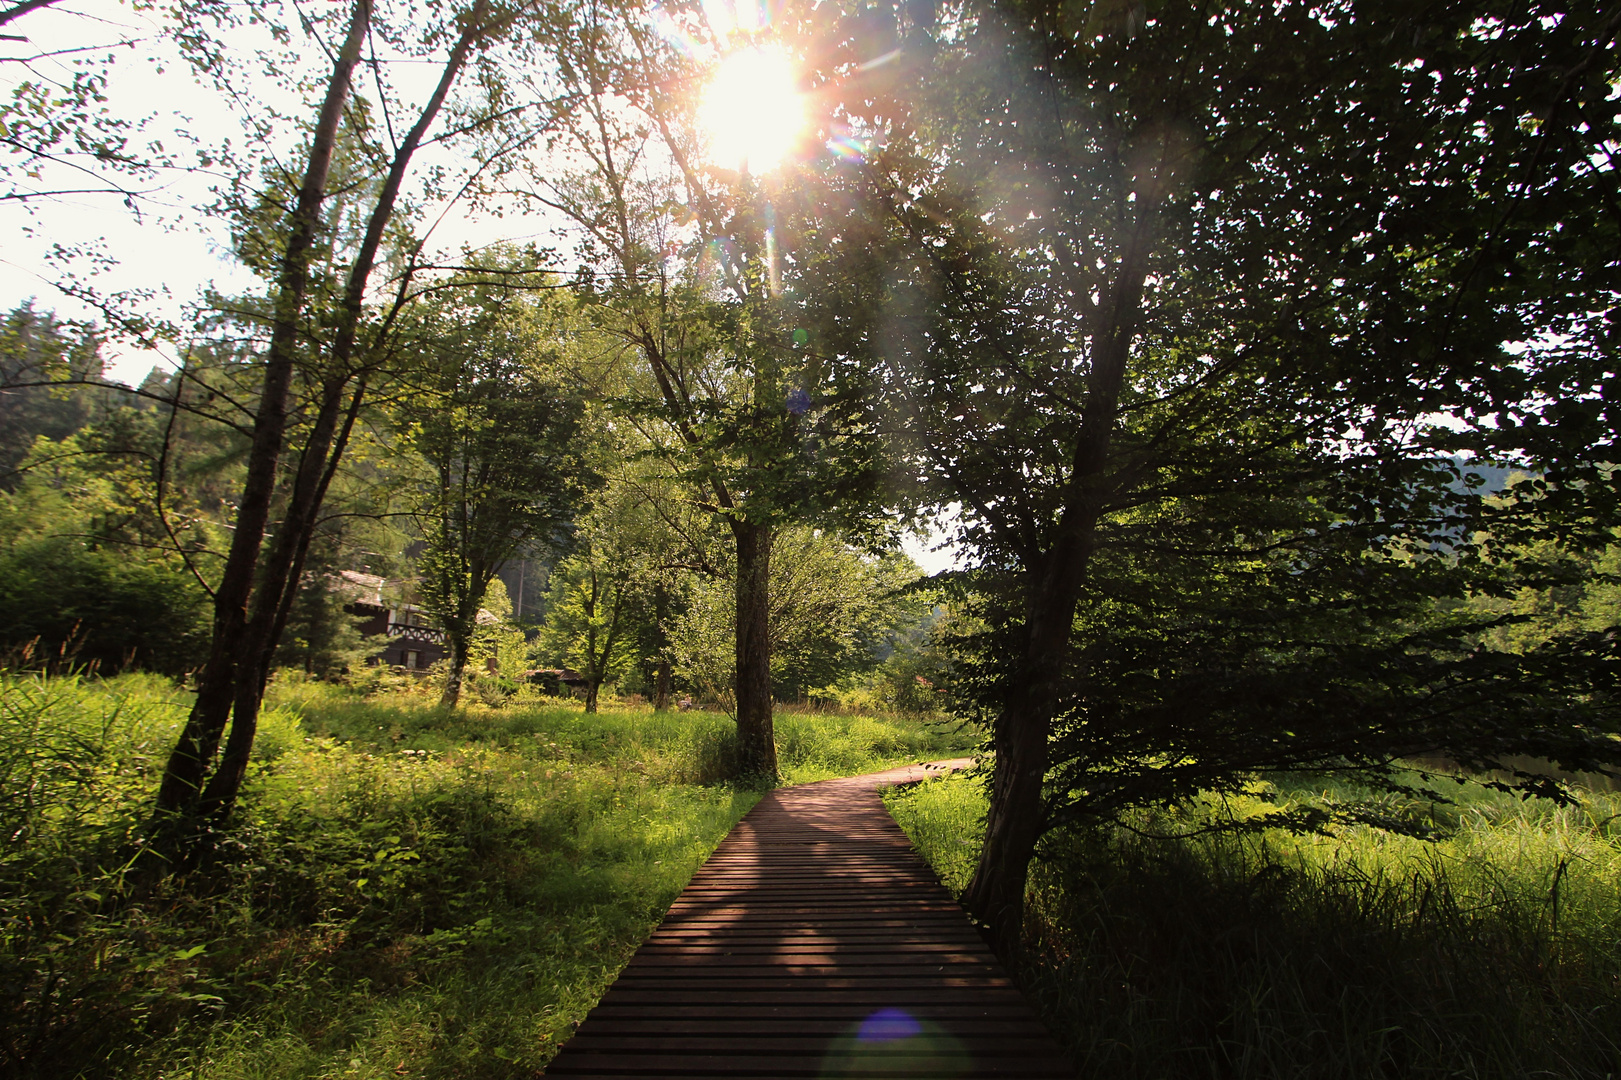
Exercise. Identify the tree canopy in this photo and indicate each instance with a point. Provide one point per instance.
(1195, 325)
(1187, 309)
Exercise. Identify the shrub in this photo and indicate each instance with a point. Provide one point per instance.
(100, 608)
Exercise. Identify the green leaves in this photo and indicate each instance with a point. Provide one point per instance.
(1196, 315)
(499, 433)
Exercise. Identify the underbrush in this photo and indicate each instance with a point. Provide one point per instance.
(403, 891)
(1492, 952)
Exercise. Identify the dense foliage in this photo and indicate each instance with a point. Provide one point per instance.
(35, 351)
(67, 605)
(498, 434)
(1191, 314)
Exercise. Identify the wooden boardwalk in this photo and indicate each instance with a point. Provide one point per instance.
(814, 943)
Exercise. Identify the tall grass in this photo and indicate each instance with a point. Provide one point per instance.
(1495, 952)
(403, 891)
(672, 747)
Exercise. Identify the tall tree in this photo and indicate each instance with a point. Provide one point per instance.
(259, 582)
(501, 437)
(679, 541)
(35, 351)
(595, 603)
(681, 264)
(834, 612)
(1196, 280)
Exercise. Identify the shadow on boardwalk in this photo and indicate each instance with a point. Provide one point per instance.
(814, 942)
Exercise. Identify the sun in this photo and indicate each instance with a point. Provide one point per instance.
(751, 111)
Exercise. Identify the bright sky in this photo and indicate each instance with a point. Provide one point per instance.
(163, 243)
(929, 561)
(928, 552)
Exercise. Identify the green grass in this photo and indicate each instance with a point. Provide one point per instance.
(404, 891)
(1495, 952)
(672, 747)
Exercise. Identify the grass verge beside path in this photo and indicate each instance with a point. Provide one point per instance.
(1493, 953)
(404, 892)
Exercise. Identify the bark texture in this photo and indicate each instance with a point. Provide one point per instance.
(756, 742)
(1052, 585)
(452, 694)
(1015, 819)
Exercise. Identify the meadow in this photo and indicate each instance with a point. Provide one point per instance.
(407, 891)
(404, 891)
(1493, 950)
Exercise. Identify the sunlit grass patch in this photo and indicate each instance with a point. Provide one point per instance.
(821, 747)
(402, 891)
(374, 906)
(944, 818)
(679, 747)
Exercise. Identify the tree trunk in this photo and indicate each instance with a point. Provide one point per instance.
(218, 682)
(1014, 820)
(295, 574)
(661, 686)
(278, 583)
(592, 682)
(327, 441)
(756, 743)
(458, 668)
(661, 677)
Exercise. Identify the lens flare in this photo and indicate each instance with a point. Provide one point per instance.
(849, 147)
(894, 1042)
(666, 27)
(887, 1025)
(847, 144)
(752, 112)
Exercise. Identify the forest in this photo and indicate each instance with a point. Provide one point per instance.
(1201, 413)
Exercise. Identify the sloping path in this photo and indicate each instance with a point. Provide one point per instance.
(813, 943)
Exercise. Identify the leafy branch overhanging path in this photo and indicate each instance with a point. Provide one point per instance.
(814, 942)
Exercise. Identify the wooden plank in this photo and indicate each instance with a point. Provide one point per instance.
(814, 943)
(746, 1041)
(695, 962)
(899, 1062)
(766, 1017)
